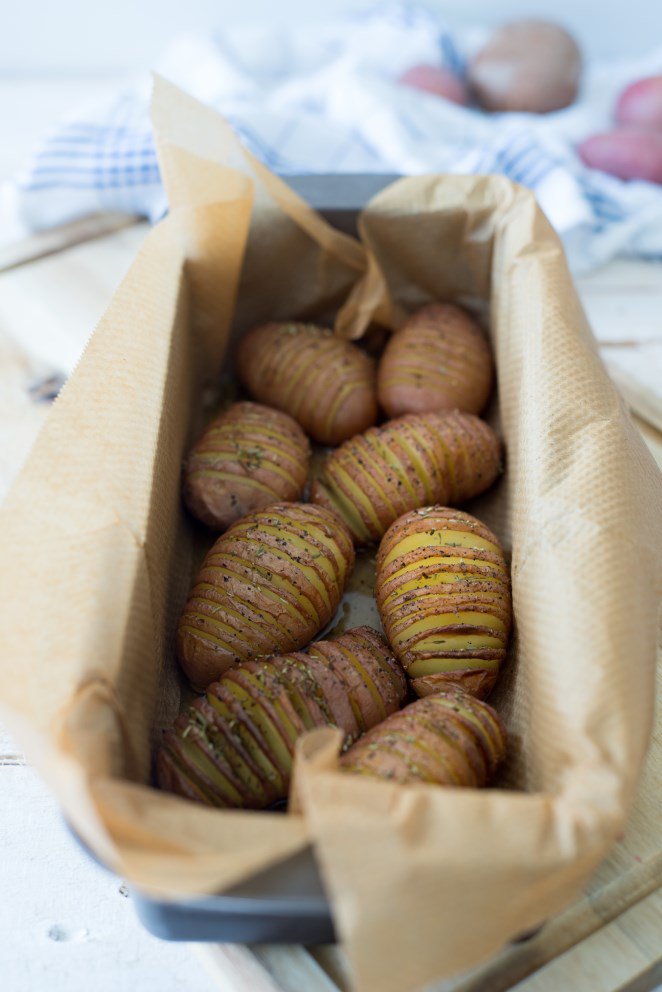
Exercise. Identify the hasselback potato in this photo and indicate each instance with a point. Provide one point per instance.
(472, 454)
(325, 383)
(235, 745)
(416, 460)
(268, 585)
(450, 738)
(438, 360)
(247, 458)
(443, 593)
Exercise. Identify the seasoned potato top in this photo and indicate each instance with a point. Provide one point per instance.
(324, 382)
(446, 739)
(235, 745)
(439, 360)
(269, 584)
(248, 457)
(443, 592)
(410, 462)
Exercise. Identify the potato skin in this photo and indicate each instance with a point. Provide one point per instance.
(413, 461)
(436, 80)
(268, 585)
(439, 360)
(443, 594)
(324, 382)
(248, 457)
(640, 104)
(235, 745)
(628, 153)
(450, 738)
(528, 65)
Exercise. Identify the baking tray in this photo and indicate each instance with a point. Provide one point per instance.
(286, 903)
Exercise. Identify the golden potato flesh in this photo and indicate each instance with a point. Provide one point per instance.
(268, 585)
(325, 383)
(247, 458)
(449, 738)
(414, 461)
(443, 593)
(439, 360)
(235, 745)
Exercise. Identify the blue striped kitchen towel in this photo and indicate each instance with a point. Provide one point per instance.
(325, 98)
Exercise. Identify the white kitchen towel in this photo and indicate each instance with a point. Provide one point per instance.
(325, 98)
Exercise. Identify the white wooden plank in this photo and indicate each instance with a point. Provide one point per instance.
(293, 968)
(610, 958)
(623, 275)
(20, 417)
(637, 372)
(232, 966)
(51, 306)
(67, 925)
(56, 239)
(623, 301)
(265, 968)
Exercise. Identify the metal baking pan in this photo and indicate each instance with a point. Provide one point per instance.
(286, 903)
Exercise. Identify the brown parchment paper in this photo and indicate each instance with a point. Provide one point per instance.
(97, 561)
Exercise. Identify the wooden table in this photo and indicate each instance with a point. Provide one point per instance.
(67, 924)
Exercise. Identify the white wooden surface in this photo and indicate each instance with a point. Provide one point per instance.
(65, 924)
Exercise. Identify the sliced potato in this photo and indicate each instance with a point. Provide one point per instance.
(324, 382)
(235, 745)
(443, 593)
(438, 360)
(450, 738)
(414, 461)
(269, 584)
(247, 458)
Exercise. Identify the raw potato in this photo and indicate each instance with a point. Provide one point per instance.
(268, 585)
(436, 80)
(247, 458)
(235, 745)
(446, 739)
(529, 65)
(410, 462)
(443, 593)
(439, 360)
(325, 383)
(627, 153)
(640, 104)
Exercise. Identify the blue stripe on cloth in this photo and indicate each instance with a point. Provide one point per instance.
(97, 153)
(450, 55)
(31, 187)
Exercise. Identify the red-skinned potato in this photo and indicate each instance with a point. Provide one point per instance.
(435, 80)
(446, 739)
(248, 457)
(628, 153)
(413, 461)
(528, 65)
(640, 104)
(443, 593)
(325, 383)
(438, 360)
(268, 585)
(234, 746)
